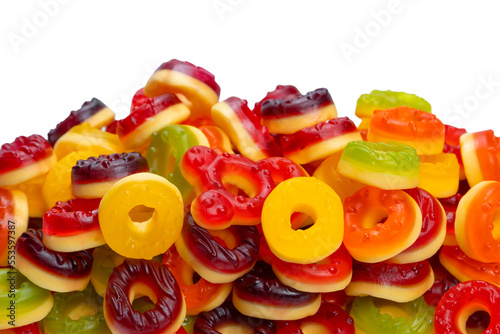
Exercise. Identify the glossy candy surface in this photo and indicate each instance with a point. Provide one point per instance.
(13, 222)
(216, 207)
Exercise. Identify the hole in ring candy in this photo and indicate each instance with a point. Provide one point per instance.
(22, 301)
(388, 166)
(313, 198)
(216, 207)
(219, 256)
(73, 225)
(133, 279)
(194, 83)
(141, 215)
(374, 316)
(477, 222)
(462, 301)
(25, 159)
(380, 224)
(56, 271)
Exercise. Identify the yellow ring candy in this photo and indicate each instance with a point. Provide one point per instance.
(314, 198)
(141, 215)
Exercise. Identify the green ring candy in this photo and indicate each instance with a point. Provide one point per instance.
(367, 317)
(59, 322)
(21, 301)
(381, 100)
(166, 150)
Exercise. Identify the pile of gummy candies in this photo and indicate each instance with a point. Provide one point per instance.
(192, 215)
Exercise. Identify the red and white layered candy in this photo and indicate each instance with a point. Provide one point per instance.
(244, 129)
(154, 114)
(319, 141)
(73, 226)
(93, 177)
(290, 115)
(194, 85)
(24, 159)
(13, 221)
(51, 270)
(94, 112)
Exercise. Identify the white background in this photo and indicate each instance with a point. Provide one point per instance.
(56, 54)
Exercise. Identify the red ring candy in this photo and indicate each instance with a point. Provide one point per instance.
(216, 207)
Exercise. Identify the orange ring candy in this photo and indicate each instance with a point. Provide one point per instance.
(414, 127)
(481, 156)
(200, 296)
(370, 240)
(141, 215)
(477, 222)
(314, 198)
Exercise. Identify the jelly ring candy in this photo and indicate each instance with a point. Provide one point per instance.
(200, 296)
(73, 226)
(481, 156)
(24, 159)
(195, 84)
(461, 301)
(105, 260)
(55, 271)
(397, 282)
(92, 177)
(327, 172)
(465, 268)
(141, 215)
(331, 274)
(330, 318)
(218, 256)
(416, 128)
(384, 165)
(94, 112)
(57, 184)
(374, 316)
(475, 222)
(281, 92)
(287, 116)
(433, 231)
(380, 224)
(32, 188)
(244, 129)
(138, 99)
(314, 198)
(76, 312)
(13, 221)
(21, 301)
(439, 174)
(217, 139)
(138, 277)
(153, 115)
(165, 151)
(214, 321)
(260, 294)
(216, 207)
(319, 141)
(380, 100)
(83, 137)
(32, 328)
